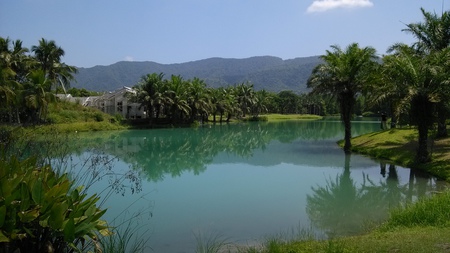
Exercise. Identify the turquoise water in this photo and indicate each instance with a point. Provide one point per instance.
(242, 182)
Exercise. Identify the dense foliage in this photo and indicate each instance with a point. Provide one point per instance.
(41, 211)
(411, 82)
(28, 81)
(178, 100)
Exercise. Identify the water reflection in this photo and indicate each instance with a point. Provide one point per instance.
(248, 180)
(173, 151)
(342, 207)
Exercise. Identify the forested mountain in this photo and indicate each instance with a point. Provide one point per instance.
(265, 72)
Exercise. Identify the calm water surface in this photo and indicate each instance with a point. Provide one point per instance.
(242, 182)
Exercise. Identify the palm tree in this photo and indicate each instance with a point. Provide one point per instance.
(148, 93)
(177, 98)
(344, 74)
(197, 98)
(14, 65)
(288, 102)
(38, 97)
(245, 95)
(221, 102)
(49, 56)
(416, 82)
(262, 98)
(433, 34)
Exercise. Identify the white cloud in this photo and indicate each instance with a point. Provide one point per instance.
(129, 58)
(325, 5)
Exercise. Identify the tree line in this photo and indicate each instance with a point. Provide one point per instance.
(29, 79)
(185, 101)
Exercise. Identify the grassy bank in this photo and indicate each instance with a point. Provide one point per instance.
(279, 117)
(421, 227)
(399, 146)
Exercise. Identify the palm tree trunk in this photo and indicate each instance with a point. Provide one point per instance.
(347, 100)
(347, 136)
(422, 155)
(422, 111)
(442, 117)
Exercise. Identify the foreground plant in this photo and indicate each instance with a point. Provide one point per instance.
(41, 211)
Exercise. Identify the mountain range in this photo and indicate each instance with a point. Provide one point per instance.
(264, 72)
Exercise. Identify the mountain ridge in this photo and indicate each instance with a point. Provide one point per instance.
(264, 72)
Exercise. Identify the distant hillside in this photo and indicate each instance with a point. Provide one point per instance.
(265, 72)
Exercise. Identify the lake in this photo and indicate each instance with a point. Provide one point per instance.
(240, 182)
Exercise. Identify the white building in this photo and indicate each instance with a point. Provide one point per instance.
(114, 102)
(117, 102)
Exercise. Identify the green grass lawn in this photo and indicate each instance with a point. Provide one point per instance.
(400, 145)
(277, 117)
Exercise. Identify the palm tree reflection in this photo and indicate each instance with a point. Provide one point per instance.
(342, 207)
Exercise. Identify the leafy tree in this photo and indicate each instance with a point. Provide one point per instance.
(198, 98)
(288, 102)
(433, 35)
(37, 95)
(245, 95)
(148, 92)
(177, 99)
(262, 101)
(415, 80)
(344, 74)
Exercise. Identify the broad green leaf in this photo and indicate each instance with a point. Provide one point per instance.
(57, 215)
(44, 222)
(90, 211)
(57, 191)
(69, 230)
(37, 192)
(3, 237)
(25, 197)
(28, 216)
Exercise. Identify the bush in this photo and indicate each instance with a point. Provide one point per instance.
(98, 117)
(41, 211)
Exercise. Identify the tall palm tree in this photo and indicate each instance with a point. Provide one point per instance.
(344, 74)
(148, 93)
(49, 56)
(245, 95)
(262, 98)
(197, 98)
(433, 34)
(177, 95)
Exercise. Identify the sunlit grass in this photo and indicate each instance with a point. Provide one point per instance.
(425, 212)
(275, 117)
(400, 145)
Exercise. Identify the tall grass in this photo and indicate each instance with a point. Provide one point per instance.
(433, 211)
(212, 243)
(282, 241)
(126, 238)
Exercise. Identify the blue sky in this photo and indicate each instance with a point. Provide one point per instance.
(102, 32)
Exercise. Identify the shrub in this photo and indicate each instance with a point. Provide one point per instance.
(41, 211)
(99, 117)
